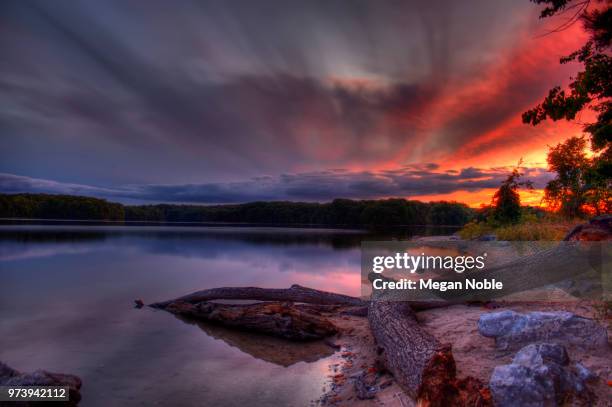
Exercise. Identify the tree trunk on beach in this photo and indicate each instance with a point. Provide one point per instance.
(321, 300)
(296, 293)
(278, 319)
(422, 366)
(566, 261)
(410, 353)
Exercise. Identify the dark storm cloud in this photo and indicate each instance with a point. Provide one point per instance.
(149, 92)
(312, 186)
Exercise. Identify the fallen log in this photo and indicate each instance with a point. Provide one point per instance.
(573, 261)
(296, 293)
(422, 366)
(583, 264)
(415, 305)
(299, 316)
(278, 319)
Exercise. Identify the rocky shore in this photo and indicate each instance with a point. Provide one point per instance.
(393, 353)
(12, 377)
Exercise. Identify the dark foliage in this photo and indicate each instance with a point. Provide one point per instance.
(579, 186)
(582, 185)
(340, 212)
(388, 212)
(591, 88)
(506, 207)
(45, 206)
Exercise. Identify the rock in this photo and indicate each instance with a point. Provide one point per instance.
(583, 373)
(513, 330)
(539, 375)
(365, 386)
(497, 323)
(11, 377)
(7, 372)
(487, 238)
(598, 229)
(138, 303)
(537, 354)
(516, 385)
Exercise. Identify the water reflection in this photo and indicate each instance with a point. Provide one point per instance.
(274, 350)
(66, 305)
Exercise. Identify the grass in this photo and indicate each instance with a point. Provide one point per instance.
(533, 231)
(545, 229)
(474, 230)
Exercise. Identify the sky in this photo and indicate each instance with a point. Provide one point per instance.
(236, 101)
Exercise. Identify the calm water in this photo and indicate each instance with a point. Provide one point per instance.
(66, 295)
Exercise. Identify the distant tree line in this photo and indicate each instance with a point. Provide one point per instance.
(47, 206)
(385, 212)
(340, 212)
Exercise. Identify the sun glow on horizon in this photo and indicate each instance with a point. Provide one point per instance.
(476, 199)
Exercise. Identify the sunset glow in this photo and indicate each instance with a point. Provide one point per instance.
(306, 104)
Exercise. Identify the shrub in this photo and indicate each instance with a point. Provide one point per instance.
(546, 228)
(532, 231)
(473, 230)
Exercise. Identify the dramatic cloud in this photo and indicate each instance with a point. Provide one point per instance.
(312, 186)
(191, 98)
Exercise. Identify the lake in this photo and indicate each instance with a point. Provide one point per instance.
(66, 305)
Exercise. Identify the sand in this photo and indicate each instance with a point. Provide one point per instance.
(474, 354)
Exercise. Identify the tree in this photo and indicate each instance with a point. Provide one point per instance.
(592, 87)
(340, 212)
(506, 205)
(578, 187)
(598, 195)
(566, 192)
(449, 213)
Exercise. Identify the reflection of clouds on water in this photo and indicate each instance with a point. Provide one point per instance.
(225, 256)
(160, 263)
(66, 304)
(271, 349)
(9, 253)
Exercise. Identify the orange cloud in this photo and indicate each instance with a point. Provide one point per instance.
(481, 113)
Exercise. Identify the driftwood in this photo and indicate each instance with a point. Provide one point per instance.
(422, 366)
(323, 301)
(278, 319)
(582, 263)
(296, 293)
(292, 313)
(567, 261)
(410, 353)
(415, 305)
(279, 316)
